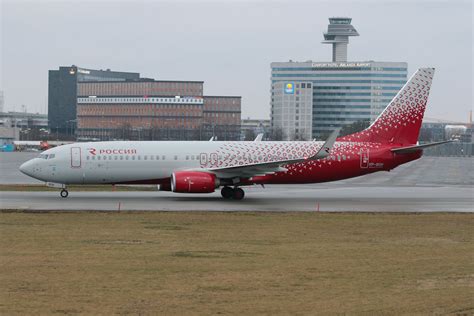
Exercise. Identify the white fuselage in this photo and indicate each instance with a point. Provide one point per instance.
(126, 161)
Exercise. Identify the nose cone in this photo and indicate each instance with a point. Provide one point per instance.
(27, 168)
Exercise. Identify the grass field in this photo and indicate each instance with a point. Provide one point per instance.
(236, 263)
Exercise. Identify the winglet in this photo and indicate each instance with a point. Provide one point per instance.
(259, 137)
(213, 138)
(327, 146)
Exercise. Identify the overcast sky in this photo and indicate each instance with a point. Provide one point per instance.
(230, 44)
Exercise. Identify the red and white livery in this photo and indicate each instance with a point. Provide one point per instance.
(203, 167)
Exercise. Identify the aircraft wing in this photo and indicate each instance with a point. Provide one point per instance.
(264, 168)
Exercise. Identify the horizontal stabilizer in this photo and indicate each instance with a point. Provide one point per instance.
(410, 149)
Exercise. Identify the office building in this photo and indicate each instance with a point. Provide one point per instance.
(62, 93)
(121, 105)
(221, 117)
(147, 109)
(310, 99)
(292, 107)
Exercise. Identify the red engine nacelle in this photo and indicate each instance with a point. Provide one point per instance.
(193, 182)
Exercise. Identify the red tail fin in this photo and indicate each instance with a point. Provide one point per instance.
(400, 122)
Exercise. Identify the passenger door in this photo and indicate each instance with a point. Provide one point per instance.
(76, 161)
(364, 158)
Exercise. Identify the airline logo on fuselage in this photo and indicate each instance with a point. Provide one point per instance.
(94, 151)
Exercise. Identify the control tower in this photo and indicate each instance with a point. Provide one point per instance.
(339, 30)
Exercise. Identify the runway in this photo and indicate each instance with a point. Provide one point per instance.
(429, 184)
(273, 198)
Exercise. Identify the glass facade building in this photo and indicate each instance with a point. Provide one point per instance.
(341, 93)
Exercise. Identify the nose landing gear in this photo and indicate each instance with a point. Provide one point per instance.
(229, 193)
(64, 193)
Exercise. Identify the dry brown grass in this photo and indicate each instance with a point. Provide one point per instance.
(236, 263)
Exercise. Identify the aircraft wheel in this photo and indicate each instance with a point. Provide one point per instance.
(238, 194)
(64, 193)
(227, 193)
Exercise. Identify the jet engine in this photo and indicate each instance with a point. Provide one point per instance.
(193, 182)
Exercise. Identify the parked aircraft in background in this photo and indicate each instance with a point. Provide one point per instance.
(202, 167)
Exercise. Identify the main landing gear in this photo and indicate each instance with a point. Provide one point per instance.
(64, 193)
(229, 193)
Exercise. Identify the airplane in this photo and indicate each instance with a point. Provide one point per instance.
(203, 167)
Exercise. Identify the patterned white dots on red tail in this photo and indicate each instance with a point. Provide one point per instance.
(400, 122)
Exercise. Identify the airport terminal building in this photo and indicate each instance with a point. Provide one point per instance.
(310, 99)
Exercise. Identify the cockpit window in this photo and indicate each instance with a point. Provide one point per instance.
(46, 156)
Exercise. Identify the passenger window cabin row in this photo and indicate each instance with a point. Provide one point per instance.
(192, 157)
(127, 157)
